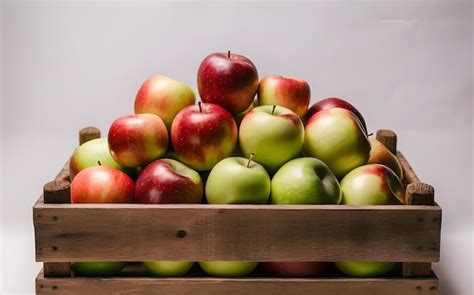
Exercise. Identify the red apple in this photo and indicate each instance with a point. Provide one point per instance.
(203, 135)
(291, 93)
(136, 140)
(229, 80)
(295, 269)
(164, 97)
(168, 181)
(334, 102)
(100, 184)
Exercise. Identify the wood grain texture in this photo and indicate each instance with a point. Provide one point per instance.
(88, 133)
(409, 174)
(57, 269)
(388, 138)
(133, 232)
(418, 193)
(237, 286)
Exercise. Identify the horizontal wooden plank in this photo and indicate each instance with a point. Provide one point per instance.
(231, 286)
(132, 232)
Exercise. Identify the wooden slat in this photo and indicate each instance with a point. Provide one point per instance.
(133, 232)
(409, 174)
(388, 138)
(88, 133)
(234, 286)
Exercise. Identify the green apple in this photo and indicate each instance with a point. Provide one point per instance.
(92, 153)
(336, 137)
(364, 268)
(97, 269)
(305, 181)
(372, 184)
(228, 268)
(168, 268)
(273, 133)
(238, 117)
(238, 180)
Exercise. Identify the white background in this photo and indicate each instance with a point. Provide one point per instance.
(406, 65)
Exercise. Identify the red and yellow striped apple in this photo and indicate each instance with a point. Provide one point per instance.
(203, 134)
(136, 140)
(372, 184)
(229, 80)
(336, 137)
(168, 181)
(295, 269)
(334, 102)
(274, 134)
(379, 154)
(291, 93)
(164, 97)
(92, 153)
(101, 184)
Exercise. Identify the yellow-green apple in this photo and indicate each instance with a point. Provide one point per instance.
(295, 269)
(238, 180)
(228, 268)
(364, 268)
(101, 184)
(168, 181)
(273, 133)
(334, 102)
(336, 137)
(97, 269)
(168, 268)
(136, 140)
(92, 153)
(203, 135)
(372, 184)
(229, 80)
(238, 118)
(379, 154)
(164, 97)
(305, 181)
(292, 93)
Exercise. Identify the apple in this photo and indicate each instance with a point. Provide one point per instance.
(372, 184)
(295, 269)
(168, 181)
(292, 93)
(238, 118)
(238, 180)
(164, 97)
(97, 269)
(100, 184)
(364, 268)
(168, 268)
(136, 140)
(229, 80)
(228, 268)
(203, 135)
(336, 137)
(379, 154)
(305, 181)
(334, 102)
(273, 133)
(92, 153)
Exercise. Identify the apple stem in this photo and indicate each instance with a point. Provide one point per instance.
(274, 107)
(200, 107)
(100, 164)
(370, 134)
(250, 159)
(228, 53)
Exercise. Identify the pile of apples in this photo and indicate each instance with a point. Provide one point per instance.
(232, 149)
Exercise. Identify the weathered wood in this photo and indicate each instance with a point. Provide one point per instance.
(56, 192)
(237, 286)
(388, 138)
(88, 133)
(133, 232)
(409, 174)
(64, 173)
(418, 193)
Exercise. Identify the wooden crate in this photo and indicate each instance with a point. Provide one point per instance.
(409, 234)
